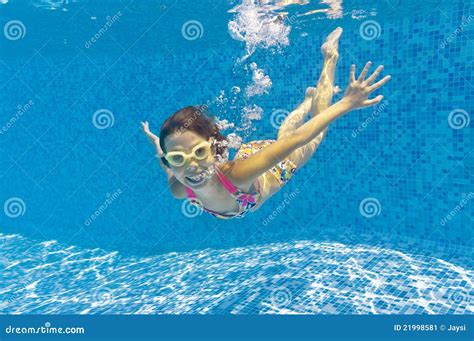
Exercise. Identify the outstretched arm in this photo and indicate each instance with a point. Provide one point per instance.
(355, 97)
(176, 187)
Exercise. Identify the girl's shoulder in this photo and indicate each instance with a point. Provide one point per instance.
(257, 143)
(246, 149)
(249, 148)
(226, 169)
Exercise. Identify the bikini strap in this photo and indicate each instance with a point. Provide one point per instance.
(228, 185)
(190, 193)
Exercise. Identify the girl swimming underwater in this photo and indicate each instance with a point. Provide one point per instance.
(193, 152)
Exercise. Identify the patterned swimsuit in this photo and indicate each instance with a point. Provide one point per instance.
(282, 171)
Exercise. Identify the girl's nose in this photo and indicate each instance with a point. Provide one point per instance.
(192, 164)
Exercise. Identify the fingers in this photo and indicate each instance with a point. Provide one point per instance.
(379, 83)
(375, 74)
(373, 101)
(364, 71)
(352, 74)
(146, 127)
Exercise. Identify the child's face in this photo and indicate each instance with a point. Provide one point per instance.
(193, 173)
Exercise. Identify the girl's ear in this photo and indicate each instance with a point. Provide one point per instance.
(213, 143)
(165, 162)
(213, 147)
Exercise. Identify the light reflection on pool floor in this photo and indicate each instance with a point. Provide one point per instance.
(290, 278)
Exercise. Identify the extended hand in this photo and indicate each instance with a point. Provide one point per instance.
(357, 93)
(152, 137)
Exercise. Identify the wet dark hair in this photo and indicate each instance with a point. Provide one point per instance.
(197, 120)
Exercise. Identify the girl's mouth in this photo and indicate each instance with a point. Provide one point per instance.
(200, 177)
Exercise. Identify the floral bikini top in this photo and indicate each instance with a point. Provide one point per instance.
(246, 201)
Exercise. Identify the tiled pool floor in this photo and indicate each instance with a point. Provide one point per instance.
(298, 277)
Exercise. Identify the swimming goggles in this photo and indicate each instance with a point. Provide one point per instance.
(199, 152)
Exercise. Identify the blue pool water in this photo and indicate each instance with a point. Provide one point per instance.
(379, 221)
